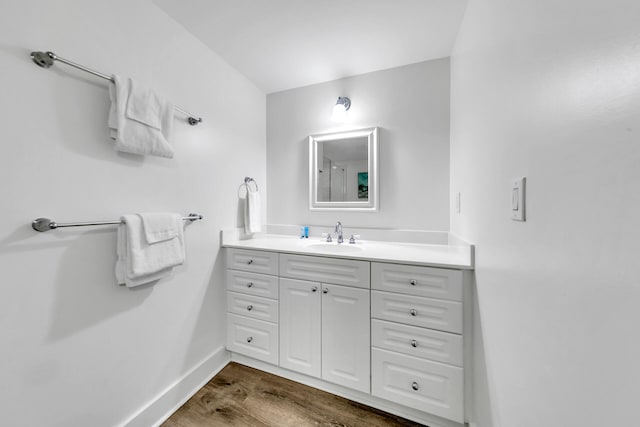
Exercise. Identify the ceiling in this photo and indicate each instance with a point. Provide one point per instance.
(283, 44)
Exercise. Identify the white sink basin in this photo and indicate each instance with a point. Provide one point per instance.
(333, 248)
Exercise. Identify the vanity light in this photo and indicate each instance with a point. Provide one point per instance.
(340, 109)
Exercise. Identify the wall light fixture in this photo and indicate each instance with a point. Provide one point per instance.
(340, 109)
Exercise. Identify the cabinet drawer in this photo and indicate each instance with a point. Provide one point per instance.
(417, 383)
(419, 342)
(417, 311)
(252, 306)
(245, 282)
(415, 280)
(254, 261)
(325, 270)
(253, 338)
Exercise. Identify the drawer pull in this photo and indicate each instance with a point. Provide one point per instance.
(415, 386)
(314, 289)
(250, 284)
(250, 262)
(414, 343)
(413, 312)
(413, 282)
(325, 291)
(251, 339)
(249, 307)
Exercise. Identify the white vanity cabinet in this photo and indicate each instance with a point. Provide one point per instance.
(387, 334)
(324, 327)
(252, 303)
(417, 342)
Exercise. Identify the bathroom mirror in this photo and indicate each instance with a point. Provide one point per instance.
(343, 170)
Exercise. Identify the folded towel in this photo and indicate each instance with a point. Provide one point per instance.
(140, 120)
(160, 226)
(252, 212)
(146, 258)
(123, 261)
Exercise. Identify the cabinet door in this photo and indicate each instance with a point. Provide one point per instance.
(346, 336)
(300, 326)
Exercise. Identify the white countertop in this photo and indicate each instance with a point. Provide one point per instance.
(447, 256)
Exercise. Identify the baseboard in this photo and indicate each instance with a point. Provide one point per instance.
(169, 400)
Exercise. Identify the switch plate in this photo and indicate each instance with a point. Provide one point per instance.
(458, 202)
(518, 199)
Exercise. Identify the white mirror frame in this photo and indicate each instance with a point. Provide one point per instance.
(371, 205)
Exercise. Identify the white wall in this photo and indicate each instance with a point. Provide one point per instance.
(410, 105)
(78, 350)
(550, 90)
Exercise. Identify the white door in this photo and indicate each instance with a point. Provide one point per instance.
(346, 336)
(300, 326)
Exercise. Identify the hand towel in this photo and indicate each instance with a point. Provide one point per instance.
(140, 120)
(252, 212)
(145, 258)
(122, 263)
(160, 226)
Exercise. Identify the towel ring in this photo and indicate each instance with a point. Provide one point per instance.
(248, 180)
(245, 184)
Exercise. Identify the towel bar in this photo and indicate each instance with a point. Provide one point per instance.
(46, 224)
(45, 60)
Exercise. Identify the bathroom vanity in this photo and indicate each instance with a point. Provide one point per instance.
(384, 324)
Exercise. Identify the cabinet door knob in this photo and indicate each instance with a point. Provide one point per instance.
(415, 386)
(413, 282)
(414, 343)
(250, 284)
(413, 312)
(249, 339)
(250, 261)
(325, 291)
(249, 307)
(314, 289)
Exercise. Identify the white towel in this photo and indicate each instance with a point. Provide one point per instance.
(160, 226)
(140, 261)
(252, 212)
(123, 261)
(140, 120)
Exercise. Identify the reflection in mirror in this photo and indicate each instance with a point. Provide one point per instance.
(343, 170)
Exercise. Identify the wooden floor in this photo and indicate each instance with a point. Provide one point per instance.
(240, 396)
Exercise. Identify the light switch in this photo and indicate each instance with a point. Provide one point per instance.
(517, 199)
(458, 202)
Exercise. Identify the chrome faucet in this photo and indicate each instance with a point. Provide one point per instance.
(338, 231)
